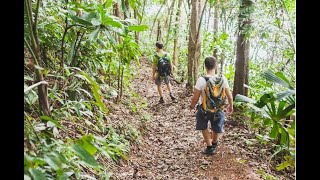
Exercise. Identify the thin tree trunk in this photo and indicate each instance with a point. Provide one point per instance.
(194, 44)
(127, 13)
(216, 27)
(170, 19)
(117, 13)
(159, 33)
(109, 74)
(154, 22)
(34, 50)
(176, 36)
(142, 15)
(197, 59)
(121, 87)
(208, 20)
(242, 57)
(119, 80)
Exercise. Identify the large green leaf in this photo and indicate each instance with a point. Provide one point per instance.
(53, 162)
(281, 107)
(137, 27)
(285, 94)
(101, 11)
(265, 99)
(46, 118)
(274, 130)
(71, 52)
(95, 89)
(284, 137)
(114, 24)
(96, 22)
(27, 162)
(80, 21)
(64, 176)
(89, 16)
(108, 3)
(59, 156)
(26, 177)
(111, 21)
(94, 34)
(287, 111)
(37, 174)
(132, 4)
(85, 155)
(85, 143)
(110, 37)
(281, 75)
(242, 98)
(270, 76)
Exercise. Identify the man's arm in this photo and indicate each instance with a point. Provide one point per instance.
(195, 98)
(154, 62)
(153, 70)
(230, 100)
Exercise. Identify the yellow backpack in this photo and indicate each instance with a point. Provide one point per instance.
(214, 94)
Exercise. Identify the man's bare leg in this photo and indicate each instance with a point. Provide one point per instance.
(214, 137)
(159, 90)
(169, 87)
(207, 138)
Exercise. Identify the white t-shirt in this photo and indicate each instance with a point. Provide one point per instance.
(201, 83)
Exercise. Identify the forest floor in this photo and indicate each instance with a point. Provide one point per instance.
(170, 147)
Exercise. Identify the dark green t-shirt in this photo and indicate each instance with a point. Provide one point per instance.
(155, 59)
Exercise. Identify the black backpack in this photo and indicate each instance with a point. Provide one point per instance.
(164, 67)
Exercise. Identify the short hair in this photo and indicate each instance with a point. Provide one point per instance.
(159, 44)
(210, 62)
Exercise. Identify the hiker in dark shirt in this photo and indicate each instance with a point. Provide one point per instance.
(161, 70)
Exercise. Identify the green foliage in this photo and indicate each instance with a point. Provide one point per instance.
(81, 46)
(65, 159)
(266, 175)
(273, 110)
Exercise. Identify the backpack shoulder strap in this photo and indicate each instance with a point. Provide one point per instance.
(155, 54)
(205, 78)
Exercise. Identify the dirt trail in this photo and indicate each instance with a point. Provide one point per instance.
(170, 148)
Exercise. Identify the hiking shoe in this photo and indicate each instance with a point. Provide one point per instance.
(161, 100)
(209, 150)
(173, 98)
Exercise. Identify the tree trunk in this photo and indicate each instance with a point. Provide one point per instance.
(170, 20)
(117, 13)
(208, 20)
(159, 34)
(216, 27)
(194, 44)
(176, 36)
(242, 57)
(126, 13)
(116, 10)
(35, 51)
(121, 87)
(143, 8)
(154, 22)
(119, 80)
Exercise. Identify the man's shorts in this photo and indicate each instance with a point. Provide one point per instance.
(159, 80)
(216, 120)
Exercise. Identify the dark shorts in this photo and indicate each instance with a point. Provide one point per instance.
(216, 120)
(159, 80)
